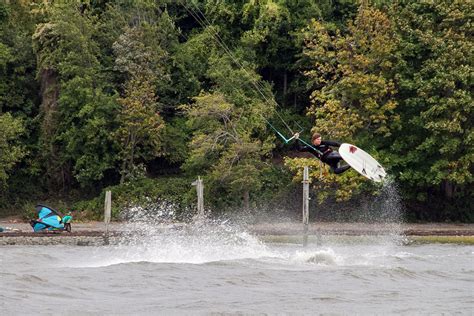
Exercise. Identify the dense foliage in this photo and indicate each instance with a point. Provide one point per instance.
(143, 96)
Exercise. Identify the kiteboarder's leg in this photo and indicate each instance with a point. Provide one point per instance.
(341, 169)
(333, 160)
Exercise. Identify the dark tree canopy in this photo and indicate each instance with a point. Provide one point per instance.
(100, 94)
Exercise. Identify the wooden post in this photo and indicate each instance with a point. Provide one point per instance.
(200, 197)
(107, 210)
(305, 204)
(107, 215)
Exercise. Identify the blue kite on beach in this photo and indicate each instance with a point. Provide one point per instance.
(50, 219)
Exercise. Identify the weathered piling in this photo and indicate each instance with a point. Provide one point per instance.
(305, 204)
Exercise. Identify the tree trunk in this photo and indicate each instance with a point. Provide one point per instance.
(49, 100)
(123, 171)
(448, 188)
(48, 108)
(246, 200)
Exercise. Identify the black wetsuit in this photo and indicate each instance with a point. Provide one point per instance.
(325, 153)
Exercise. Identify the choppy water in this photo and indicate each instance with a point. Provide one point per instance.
(222, 269)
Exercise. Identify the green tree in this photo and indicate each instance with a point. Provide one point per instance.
(18, 86)
(224, 146)
(351, 76)
(229, 141)
(140, 122)
(435, 148)
(274, 26)
(121, 34)
(269, 29)
(19, 94)
(77, 114)
(353, 90)
(140, 127)
(11, 149)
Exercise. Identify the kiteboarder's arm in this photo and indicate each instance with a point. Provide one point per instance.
(299, 146)
(305, 147)
(331, 143)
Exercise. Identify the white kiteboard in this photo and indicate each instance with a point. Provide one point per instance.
(362, 162)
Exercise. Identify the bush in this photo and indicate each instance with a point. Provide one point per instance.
(143, 192)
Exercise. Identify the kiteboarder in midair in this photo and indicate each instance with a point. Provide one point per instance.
(321, 149)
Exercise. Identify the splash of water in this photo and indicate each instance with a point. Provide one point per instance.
(386, 211)
(325, 256)
(391, 205)
(153, 236)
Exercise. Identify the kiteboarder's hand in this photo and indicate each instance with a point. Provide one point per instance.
(296, 136)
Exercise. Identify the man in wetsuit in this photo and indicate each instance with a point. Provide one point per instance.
(321, 149)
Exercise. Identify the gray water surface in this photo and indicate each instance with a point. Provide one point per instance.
(225, 270)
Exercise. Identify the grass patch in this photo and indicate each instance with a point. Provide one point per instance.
(469, 240)
(297, 239)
